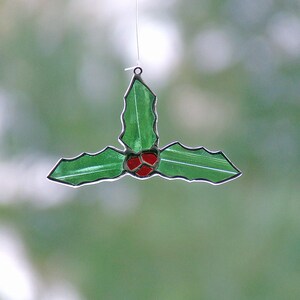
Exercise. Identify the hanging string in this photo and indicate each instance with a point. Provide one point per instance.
(137, 33)
(137, 38)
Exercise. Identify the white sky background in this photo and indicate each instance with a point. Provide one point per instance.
(17, 281)
(18, 278)
(159, 39)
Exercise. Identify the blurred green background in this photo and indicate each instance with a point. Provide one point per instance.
(227, 76)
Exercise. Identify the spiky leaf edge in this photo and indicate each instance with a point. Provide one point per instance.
(157, 172)
(126, 147)
(89, 182)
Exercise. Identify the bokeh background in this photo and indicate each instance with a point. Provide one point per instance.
(227, 76)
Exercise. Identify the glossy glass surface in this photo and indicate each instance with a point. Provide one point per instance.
(139, 117)
(177, 161)
(141, 165)
(88, 168)
(141, 157)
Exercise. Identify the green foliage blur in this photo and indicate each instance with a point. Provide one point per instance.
(233, 85)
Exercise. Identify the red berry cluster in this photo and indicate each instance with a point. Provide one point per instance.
(142, 165)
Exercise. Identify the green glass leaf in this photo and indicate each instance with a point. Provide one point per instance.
(89, 168)
(139, 117)
(199, 164)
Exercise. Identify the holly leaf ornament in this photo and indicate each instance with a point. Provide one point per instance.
(141, 157)
(139, 117)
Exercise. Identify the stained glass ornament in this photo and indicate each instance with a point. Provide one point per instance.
(141, 157)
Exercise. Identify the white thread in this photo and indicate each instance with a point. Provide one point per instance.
(137, 38)
(137, 33)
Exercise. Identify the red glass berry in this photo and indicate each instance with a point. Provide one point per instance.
(144, 171)
(133, 163)
(150, 158)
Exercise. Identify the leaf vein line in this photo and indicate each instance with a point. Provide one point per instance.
(94, 170)
(137, 113)
(197, 166)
